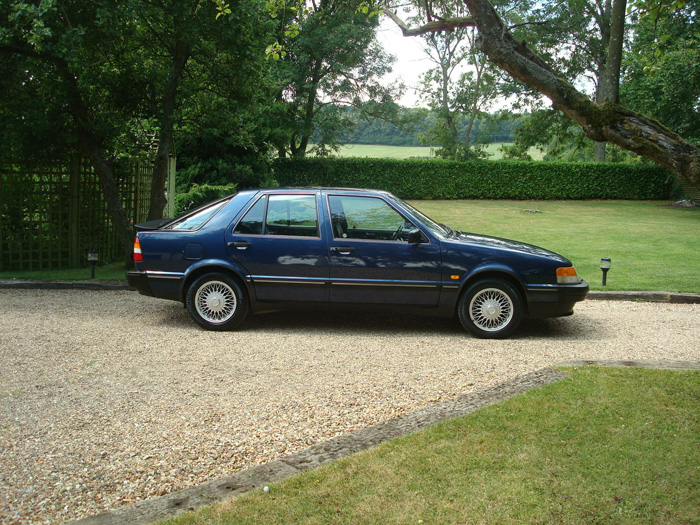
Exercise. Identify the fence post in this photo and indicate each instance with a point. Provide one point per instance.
(74, 210)
(172, 161)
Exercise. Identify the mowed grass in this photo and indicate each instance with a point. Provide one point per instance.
(602, 446)
(652, 246)
(378, 151)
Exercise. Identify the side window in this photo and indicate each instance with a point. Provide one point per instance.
(366, 218)
(293, 215)
(252, 222)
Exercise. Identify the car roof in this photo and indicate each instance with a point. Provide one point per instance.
(324, 189)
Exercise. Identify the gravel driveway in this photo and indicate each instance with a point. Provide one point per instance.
(107, 398)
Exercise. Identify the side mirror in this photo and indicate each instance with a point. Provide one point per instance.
(415, 236)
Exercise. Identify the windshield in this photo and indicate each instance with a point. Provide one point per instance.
(440, 229)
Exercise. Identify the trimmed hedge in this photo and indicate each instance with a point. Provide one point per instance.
(435, 179)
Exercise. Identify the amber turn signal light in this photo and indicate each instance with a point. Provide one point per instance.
(567, 275)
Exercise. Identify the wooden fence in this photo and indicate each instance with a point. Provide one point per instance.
(51, 215)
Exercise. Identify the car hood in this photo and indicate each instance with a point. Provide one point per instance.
(508, 245)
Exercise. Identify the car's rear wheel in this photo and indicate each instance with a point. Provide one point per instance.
(216, 302)
(490, 309)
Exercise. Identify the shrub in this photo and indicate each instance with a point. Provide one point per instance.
(199, 195)
(435, 179)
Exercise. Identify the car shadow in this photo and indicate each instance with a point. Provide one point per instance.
(576, 327)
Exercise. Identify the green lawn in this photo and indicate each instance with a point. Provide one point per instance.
(652, 246)
(605, 445)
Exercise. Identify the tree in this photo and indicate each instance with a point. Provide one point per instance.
(118, 68)
(330, 59)
(600, 122)
(662, 71)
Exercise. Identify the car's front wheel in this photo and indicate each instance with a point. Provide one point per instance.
(216, 302)
(490, 309)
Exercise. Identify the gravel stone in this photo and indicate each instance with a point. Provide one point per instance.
(109, 397)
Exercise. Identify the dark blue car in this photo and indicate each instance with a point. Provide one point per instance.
(272, 249)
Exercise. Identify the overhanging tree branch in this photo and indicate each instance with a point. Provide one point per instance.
(600, 122)
(434, 26)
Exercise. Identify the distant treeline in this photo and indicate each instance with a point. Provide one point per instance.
(416, 125)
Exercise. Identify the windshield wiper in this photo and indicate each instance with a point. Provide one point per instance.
(450, 232)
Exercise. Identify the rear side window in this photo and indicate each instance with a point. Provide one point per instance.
(197, 219)
(252, 223)
(288, 215)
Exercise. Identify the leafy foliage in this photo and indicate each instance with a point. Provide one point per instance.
(198, 195)
(417, 179)
(662, 76)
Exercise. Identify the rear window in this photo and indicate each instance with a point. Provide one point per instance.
(197, 218)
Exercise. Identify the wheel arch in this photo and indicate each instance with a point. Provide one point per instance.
(494, 273)
(213, 267)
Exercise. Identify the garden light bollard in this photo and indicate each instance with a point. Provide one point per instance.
(605, 266)
(92, 259)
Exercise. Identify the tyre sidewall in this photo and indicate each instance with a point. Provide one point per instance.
(472, 291)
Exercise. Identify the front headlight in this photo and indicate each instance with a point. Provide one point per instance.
(567, 275)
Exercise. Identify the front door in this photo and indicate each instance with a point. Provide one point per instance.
(370, 259)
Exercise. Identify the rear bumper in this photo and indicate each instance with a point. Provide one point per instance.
(165, 285)
(555, 300)
(139, 281)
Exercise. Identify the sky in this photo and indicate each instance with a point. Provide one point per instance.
(411, 60)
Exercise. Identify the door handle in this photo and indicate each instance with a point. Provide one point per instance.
(240, 245)
(343, 250)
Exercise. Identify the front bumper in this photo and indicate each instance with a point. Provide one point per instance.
(555, 300)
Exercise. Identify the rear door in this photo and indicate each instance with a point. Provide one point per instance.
(370, 258)
(278, 242)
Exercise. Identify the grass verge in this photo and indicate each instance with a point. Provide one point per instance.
(652, 246)
(606, 445)
(107, 272)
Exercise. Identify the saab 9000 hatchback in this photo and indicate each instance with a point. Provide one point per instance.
(266, 250)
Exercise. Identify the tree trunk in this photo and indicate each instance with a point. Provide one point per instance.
(600, 122)
(602, 18)
(448, 113)
(91, 147)
(309, 110)
(614, 63)
(165, 138)
(479, 68)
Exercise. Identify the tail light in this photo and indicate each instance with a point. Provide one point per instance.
(138, 256)
(567, 275)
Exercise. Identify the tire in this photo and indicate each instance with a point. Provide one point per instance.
(216, 302)
(490, 309)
